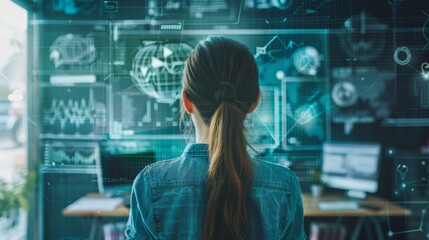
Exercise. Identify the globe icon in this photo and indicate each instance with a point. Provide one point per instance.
(157, 70)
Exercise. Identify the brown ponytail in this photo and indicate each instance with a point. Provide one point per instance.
(229, 176)
(221, 80)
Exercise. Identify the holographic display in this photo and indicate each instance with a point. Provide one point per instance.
(411, 177)
(411, 188)
(80, 8)
(294, 7)
(285, 56)
(421, 90)
(157, 70)
(322, 64)
(412, 74)
(295, 64)
(287, 62)
(306, 60)
(362, 96)
(70, 153)
(195, 11)
(362, 87)
(263, 130)
(76, 49)
(363, 37)
(74, 111)
(134, 113)
(306, 112)
(425, 30)
(402, 55)
(72, 49)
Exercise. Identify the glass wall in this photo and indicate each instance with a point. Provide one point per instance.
(13, 119)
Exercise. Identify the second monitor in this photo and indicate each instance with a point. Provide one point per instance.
(351, 166)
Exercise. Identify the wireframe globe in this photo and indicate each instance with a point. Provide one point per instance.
(157, 70)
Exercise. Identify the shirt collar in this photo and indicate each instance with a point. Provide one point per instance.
(196, 149)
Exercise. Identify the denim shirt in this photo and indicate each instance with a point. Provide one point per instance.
(168, 200)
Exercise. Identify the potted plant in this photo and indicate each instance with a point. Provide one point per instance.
(13, 197)
(316, 186)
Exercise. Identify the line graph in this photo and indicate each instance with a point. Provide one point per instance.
(69, 154)
(74, 111)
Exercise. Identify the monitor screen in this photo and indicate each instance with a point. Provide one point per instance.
(351, 166)
(120, 170)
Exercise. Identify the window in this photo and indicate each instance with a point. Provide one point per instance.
(13, 117)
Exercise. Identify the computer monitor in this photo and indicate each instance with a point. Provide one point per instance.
(351, 166)
(120, 170)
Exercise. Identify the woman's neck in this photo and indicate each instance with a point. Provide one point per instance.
(201, 133)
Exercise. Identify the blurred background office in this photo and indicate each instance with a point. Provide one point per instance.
(89, 95)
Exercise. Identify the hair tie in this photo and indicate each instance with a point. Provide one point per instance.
(225, 92)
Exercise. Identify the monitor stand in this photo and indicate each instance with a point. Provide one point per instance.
(356, 194)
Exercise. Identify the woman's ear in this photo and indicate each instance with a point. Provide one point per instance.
(255, 103)
(186, 103)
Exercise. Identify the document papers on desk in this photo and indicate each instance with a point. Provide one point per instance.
(339, 205)
(95, 204)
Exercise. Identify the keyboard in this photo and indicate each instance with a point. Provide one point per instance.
(339, 205)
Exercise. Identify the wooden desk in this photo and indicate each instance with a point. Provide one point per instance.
(120, 211)
(311, 209)
(96, 216)
(365, 218)
(387, 208)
